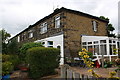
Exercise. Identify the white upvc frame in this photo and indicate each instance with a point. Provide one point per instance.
(43, 28)
(97, 38)
(30, 34)
(94, 26)
(57, 22)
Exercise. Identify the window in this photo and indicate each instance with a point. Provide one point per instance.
(96, 49)
(50, 43)
(18, 38)
(103, 49)
(58, 47)
(84, 43)
(57, 22)
(43, 28)
(102, 41)
(95, 42)
(110, 41)
(89, 42)
(30, 35)
(94, 25)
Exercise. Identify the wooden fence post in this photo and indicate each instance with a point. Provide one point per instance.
(69, 74)
(76, 76)
(63, 72)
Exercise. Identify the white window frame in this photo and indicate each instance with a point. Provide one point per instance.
(57, 22)
(43, 28)
(94, 26)
(30, 34)
(18, 38)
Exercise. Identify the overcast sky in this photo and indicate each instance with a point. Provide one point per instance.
(16, 15)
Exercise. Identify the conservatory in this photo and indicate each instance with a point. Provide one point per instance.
(101, 45)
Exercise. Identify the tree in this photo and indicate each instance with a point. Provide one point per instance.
(5, 37)
(12, 47)
(110, 27)
(102, 17)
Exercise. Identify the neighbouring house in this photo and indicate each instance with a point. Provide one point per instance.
(64, 29)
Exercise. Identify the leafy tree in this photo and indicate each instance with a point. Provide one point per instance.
(5, 36)
(102, 17)
(110, 27)
(12, 47)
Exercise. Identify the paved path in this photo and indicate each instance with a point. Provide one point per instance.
(104, 72)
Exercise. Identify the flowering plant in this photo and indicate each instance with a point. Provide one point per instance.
(86, 58)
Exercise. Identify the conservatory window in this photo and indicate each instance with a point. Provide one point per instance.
(84, 43)
(110, 41)
(96, 49)
(95, 42)
(89, 42)
(102, 41)
(103, 49)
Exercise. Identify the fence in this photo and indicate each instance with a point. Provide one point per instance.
(69, 74)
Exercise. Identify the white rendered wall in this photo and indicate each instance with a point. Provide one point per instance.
(57, 41)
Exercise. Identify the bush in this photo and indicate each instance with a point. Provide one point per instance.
(27, 46)
(5, 57)
(7, 67)
(42, 61)
(14, 59)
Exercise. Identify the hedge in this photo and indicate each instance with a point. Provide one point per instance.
(27, 46)
(42, 61)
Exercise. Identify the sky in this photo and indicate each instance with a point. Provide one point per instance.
(16, 15)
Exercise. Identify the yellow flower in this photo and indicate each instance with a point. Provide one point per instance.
(92, 62)
(112, 74)
(90, 70)
(84, 50)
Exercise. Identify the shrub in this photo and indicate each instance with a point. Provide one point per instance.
(27, 46)
(7, 67)
(14, 59)
(5, 57)
(42, 61)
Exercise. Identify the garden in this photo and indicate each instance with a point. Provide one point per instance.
(34, 59)
(89, 65)
(31, 58)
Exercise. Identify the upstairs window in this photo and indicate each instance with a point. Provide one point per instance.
(18, 39)
(95, 26)
(43, 28)
(57, 22)
(30, 35)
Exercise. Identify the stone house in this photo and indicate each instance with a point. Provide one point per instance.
(64, 29)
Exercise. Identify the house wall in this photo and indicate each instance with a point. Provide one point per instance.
(51, 30)
(72, 25)
(76, 26)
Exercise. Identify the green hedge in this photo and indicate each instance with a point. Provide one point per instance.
(42, 61)
(27, 46)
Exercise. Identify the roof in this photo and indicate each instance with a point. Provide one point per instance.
(56, 11)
